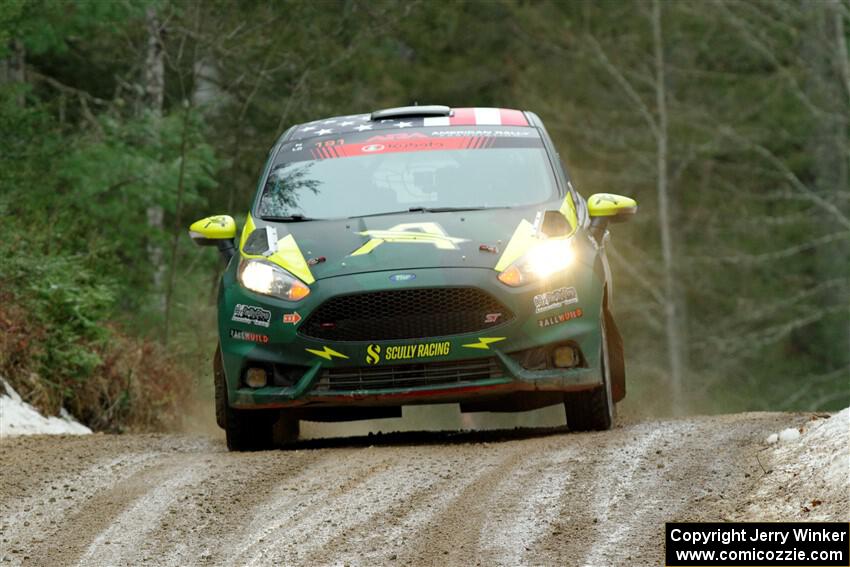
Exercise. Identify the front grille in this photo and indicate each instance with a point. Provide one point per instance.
(408, 375)
(405, 314)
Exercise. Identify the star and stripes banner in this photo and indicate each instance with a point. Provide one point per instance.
(364, 123)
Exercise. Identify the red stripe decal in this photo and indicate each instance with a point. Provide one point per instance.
(418, 144)
(513, 118)
(463, 117)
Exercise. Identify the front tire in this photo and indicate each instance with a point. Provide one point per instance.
(249, 430)
(593, 410)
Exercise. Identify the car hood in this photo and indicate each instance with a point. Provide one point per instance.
(407, 241)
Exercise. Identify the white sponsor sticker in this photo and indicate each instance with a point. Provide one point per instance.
(252, 315)
(555, 298)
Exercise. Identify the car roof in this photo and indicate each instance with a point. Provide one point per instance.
(409, 117)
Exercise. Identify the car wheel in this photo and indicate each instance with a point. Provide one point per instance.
(285, 429)
(249, 430)
(593, 410)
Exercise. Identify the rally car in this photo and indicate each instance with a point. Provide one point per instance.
(414, 255)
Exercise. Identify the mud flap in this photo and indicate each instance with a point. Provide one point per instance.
(616, 357)
(220, 386)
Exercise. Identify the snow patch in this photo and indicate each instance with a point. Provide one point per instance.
(789, 434)
(784, 436)
(808, 473)
(19, 418)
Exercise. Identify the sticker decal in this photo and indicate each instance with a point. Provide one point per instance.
(248, 336)
(218, 221)
(417, 143)
(291, 318)
(327, 353)
(429, 233)
(250, 314)
(406, 352)
(555, 298)
(373, 354)
(484, 133)
(606, 197)
(559, 318)
(484, 342)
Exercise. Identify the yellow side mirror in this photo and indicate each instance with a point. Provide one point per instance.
(213, 230)
(610, 207)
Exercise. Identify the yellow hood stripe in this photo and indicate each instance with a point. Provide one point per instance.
(525, 236)
(248, 229)
(568, 209)
(288, 256)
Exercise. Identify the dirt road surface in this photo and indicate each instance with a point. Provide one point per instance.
(545, 497)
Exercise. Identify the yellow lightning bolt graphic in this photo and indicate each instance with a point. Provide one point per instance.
(327, 353)
(484, 342)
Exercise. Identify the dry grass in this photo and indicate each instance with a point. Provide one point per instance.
(134, 387)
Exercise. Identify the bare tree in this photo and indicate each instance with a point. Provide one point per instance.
(673, 327)
(154, 87)
(13, 67)
(657, 121)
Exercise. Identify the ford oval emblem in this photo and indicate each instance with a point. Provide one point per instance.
(402, 277)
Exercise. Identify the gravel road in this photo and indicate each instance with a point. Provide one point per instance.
(546, 497)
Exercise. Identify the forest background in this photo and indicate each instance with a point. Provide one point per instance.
(123, 121)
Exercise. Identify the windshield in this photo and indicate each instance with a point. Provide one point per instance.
(378, 172)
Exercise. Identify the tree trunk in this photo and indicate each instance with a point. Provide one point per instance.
(178, 209)
(154, 81)
(13, 68)
(154, 84)
(841, 55)
(842, 59)
(826, 67)
(672, 319)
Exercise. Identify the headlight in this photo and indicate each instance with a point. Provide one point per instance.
(267, 279)
(542, 260)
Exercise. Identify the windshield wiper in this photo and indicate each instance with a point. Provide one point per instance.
(451, 209)
(426, 210)
(288, 218)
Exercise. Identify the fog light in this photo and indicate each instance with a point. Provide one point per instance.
(565, 357)
(256, 377)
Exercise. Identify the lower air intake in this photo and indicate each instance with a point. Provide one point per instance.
(408, 375)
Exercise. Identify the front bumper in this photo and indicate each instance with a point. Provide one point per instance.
(311, 358)
(514, 379)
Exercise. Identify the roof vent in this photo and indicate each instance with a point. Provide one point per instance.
(411, 111)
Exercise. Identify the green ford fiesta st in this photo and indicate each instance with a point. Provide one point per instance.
(414, 255)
